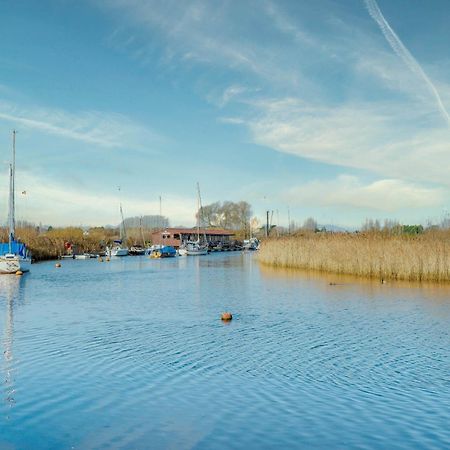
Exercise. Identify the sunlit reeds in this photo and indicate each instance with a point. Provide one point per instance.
(51, 244)
(374, 254)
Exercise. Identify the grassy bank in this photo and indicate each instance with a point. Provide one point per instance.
(50, 244)
(375, 254)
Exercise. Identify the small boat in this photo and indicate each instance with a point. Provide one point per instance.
(197, 248)
(251, 244)
(118, 249)
(136, 250)
(14, 255)
(83, 256)
(163, 251)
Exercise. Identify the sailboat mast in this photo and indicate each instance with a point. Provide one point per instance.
(142, 231)
(12, 173)
(160, 214)
(198, 212)
(122, 226)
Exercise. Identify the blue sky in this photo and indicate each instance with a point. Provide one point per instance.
(336, 109)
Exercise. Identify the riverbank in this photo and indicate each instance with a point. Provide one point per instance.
(424, 257)
(51, 244)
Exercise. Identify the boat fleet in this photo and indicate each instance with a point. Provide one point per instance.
(15, 258)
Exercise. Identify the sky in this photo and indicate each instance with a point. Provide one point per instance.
(337, 110)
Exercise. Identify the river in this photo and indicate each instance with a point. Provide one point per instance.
(132, 354)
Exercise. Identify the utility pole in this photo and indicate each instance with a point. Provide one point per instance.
(289, 221)
(160, 213)
(267, 223)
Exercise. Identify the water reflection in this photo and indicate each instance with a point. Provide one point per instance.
(329, 283)
(9, 292)
(132, 352)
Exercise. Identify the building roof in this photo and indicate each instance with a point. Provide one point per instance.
(207, 231)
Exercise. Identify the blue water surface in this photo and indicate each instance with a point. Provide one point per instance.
(131, 354)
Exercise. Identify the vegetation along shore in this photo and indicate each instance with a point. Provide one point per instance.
(424, 256)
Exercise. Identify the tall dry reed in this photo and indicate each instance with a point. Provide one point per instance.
(50, 244)
(424, 257)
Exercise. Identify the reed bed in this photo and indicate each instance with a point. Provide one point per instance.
(424, 257)
(50, 245)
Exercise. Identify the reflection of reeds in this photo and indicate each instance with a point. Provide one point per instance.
(422, 257)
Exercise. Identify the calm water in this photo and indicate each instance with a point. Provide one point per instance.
(131, 354)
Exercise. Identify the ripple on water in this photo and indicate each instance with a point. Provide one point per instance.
(132, 354)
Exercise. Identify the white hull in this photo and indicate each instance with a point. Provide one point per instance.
(82, 256)
(182, 252)
(196, 249)
(197, 252)
(14, 264)
(117, 251)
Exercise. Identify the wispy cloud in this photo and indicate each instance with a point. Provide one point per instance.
(45, 200)
(316, 83)
(388, 195)
(200, 33)
(381, 138)
(400, 49)
(283, 23)
(110, 130)
(222, 97)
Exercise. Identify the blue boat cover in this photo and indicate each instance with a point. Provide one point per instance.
(18, 248)
(168, 250)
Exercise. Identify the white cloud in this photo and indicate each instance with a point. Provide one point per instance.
(384, 138)
(387, 195)
(57, 204)
(230, 92)
(109, 130)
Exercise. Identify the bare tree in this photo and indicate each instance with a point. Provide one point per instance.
(310, 224)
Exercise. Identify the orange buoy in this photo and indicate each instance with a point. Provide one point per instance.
(100, 259)
(19, 272)
(107, 259)
(226, 316)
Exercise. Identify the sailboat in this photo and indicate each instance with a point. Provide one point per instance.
(119, 249)
(195, 248)
(14, 256)
(136, 249)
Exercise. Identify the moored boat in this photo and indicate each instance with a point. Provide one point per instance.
(119, 249)
(197, 248)
(162, 251)
(83, 256)
(251, 244)
(136, 250)
(14, 255)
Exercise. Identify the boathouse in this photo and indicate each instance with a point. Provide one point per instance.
(176, 236)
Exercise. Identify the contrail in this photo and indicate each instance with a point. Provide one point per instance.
(403, 52)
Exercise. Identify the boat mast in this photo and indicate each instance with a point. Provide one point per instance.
(198, 212)
(11, 215)
(142, 230)
(122, 226)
